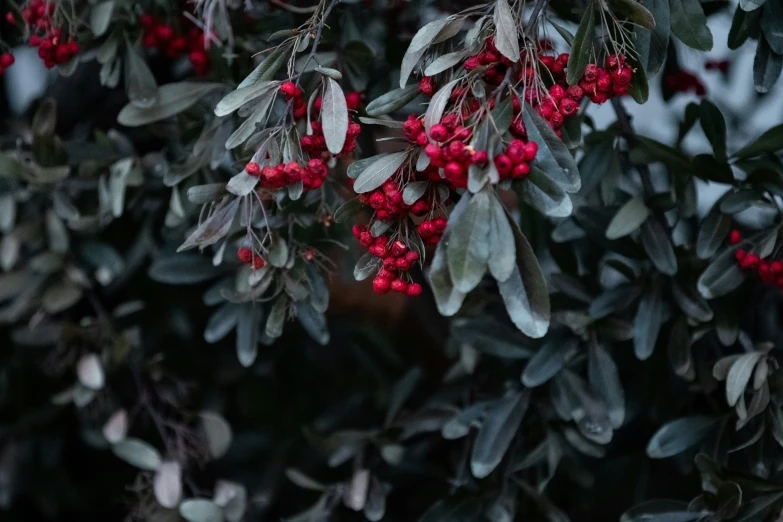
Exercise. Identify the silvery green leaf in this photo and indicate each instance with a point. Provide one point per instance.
(232, 498)
(367, 265)
(444, 62)
(661, 511)
(312, 321)
(376, 173)
(500, 425)
(218, 433)
(767, 66)
(544, 194)
(605, 379)
(276, 318)
(553, 156)
(116, 428)
(582, 48)
(689, 24)
(242, 184)
(266, 70)
(413, 191)
(214, 228)
(739, 376)
(278, 253)
(330, 73)
(60, 296)
(140, 82)
(172, 99)
(392, 101)
(447, 298)
(679, 435)
(468, 245)
(236, 99)
(712, 232)
(375, 507)
(221, 322)
(100, 17)
(502, 251)
(248, 127)
(201, 194)
(547, 362)
(506, 37)
(355, 492)
(57, 234)
(658, 245)
(182, 269)
(167, 484)
(627, 219)
(137, 453)
(248, 329)
(437, 105)
(200, 510)
(648, 322)
(382, 122)
(334, 116)
(90, 372)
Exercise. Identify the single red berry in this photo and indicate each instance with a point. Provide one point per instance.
(471, 63)
(357, 230)
(516, 150)
(591, 72)
(503, 163)
(353, 100)
(421, 139)
(380, 285)
(386, 273)
(253, 169)
(439, 225)
(622, 76)
(520, 170)
(288, 89)
(739, 255)
(612, 62)
(426, 229)
(563, 59)
(427, 86)
(750, 261)
(735, 237)
(9, 17)
(414, 289)
(399, 248)
(557, 92)
(411, 256)
(575, 92)
(245, 255)
(439, 132)
(398, 285)
(35, 40)
(531, 149)
(604, 81)
(480, 158)
(420, 208)
(258, 262)
(164, 33)
(776, 267)
(6, 60)
(433, 151)
(402, 264)
(568, 107)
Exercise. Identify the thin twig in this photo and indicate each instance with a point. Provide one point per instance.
(317, 38)
(533, 20)
(293, 8)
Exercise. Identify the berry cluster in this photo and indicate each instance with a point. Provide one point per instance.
(352, 100)
(770, 272)
(397, 258)
(315, 144)
(248, 257)
(684, 81)
(275, 177)
(387, 202)
(53, 50)
(38, 15)
(163, 37)
(432, 230)
(292, 92)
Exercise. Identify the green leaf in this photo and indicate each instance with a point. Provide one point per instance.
(630, 217)
(139, 81)
(100, 17)
(313, 322)
(242, 96)
(525, 292)
(172, 99)
(721, 276)
(468, 245)
(401, 392)
(377, 172)
(221, 322)
(334, 116)
(706, 166)
(276, 319)
(679, 435)
(751, 5)
(650, 151)
(658, 245)
(661, 511)
(503, 114)
(418, 46)
(739, 376)
(248, 127)
(218, 433)
(691, 303)
(689, 24)
(137, 453)
(648, 321)
(501, 422)
(444, 62)
(766, 67)
(714, 127)
(506, 37)
(183, 269)
(605, 380)
(437, 105)
(347, 210)
(553, 156)
(214, 228)
(582, 49)
(330, 73)
(613, 300)
(502, 254)
(547, 362)
(636, 13)
(544, 195)
(200, 510)
(772, 25)
(713, 232)
(742, 24)
(770, 141)
(413, 191)
(265, 71)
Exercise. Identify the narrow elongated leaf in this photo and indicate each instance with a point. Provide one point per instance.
(636, 13)
(376, 173)
(544, 194)
(772, 25)
(100, 17)
(691, 303)
(137, 453)
(679, 435)
(630, 217)
(721, 276)
(547, 362)
(767, 66)
(553, 156)
(500, 425)
(582, 48)
(506, 38)
(714, 127)
(242, 96)
(218, 433)
(751, 5)
(334, 116)
(444, 62)
(401, 392)
(172, 99)
(418, 46)
(447, 298)
(437, 105)
(248, 327)
(213, 228)
(200, 510)
(713, 232)
(468, 246)
(689, 24)
(741, 25)
(605, 379)
(739, 376)
(140, 82)
(770, 141)
(525, 292)
(661, 511)
(183, 269)
(414, 191)
(266, 70)
(658, 245)
(502, 251)
(648, 321)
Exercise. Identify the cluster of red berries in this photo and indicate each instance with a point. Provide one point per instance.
(248, 257)
(397, 261)
(315, 144)
(352, 100)
(312, 175)
(6, 61)
(161, 36)
(684, 81)
(717, 65)
(770, 272)
(432, 230)
(53, 50)
(292, 92)
(37, 14)
(387, 202)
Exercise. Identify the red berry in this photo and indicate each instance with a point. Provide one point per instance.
(503, 163)
(750, 261)
(622, 76)
(253, 169)
(433, 151)
(520, 170)
(398, 285)
(164, 33)
(35, 40)
(9, 17)
(399, 248)
(439, 224)
(414, 289)
(735, 237)
(604, 81)
(557, 92)
(357, 230)
(380, 285)
(776, 267)
(420, 208)
(426, 229)
(471, 63)
(480, 158)
(575, 92)
(385, 273)
(421, 139)
(591, 72)
(439, 132)
(531, 149)
(258, 262)
(245, 255)
(6, 60)
(411, 256)
(568, 107)
(353, 100)
(288, 89)
(402, 263)
(516, 151)
(427, 86)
